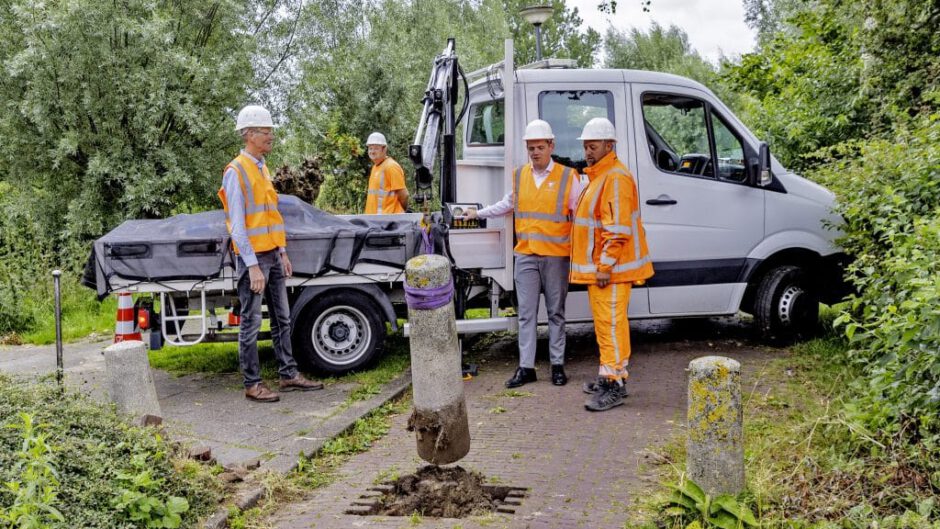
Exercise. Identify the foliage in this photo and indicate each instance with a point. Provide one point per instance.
(92, 449)
(889, 192)
(696, 510)
(139, 497)
(660, 50)
(35, 491)
(117, 110)
(829, 72)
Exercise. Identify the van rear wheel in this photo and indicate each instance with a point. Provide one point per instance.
(786, 306)
(339, 332)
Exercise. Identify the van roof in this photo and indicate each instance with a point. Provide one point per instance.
(580, 75)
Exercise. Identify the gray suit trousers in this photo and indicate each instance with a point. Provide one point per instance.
(548, 275)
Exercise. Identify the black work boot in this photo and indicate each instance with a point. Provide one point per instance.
(523, 375)
(559, 378)
(609, 395)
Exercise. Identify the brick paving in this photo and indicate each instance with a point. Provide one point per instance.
(583, 469)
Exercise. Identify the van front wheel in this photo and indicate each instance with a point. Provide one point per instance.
(786, 307)
(339, 332)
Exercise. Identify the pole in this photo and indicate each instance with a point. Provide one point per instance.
(538, 42)
(56, 274)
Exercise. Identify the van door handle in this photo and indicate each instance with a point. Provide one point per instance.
(662, 200)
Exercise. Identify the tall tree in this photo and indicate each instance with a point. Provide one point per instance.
(118, 109)
(659, 49)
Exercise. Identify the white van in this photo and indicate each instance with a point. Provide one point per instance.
(722, 238)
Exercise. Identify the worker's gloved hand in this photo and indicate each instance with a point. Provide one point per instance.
(603, 279)
(257, 279)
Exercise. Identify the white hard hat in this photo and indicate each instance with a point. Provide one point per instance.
(598, 129)
(538, 129)
(376, 138)
(253, 116)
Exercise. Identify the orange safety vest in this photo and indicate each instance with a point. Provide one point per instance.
(262, 220)
(542, 214)
(381, 178)
(608, 234)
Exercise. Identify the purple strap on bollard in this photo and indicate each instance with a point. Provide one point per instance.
(426, 246)
(429, 298)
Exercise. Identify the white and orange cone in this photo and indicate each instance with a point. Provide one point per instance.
(125, 328)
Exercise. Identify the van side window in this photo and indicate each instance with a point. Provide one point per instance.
(567, 111)
(486, 125)
(730, 151)
(677, 134)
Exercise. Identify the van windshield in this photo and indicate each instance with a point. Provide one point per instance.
(567, 111)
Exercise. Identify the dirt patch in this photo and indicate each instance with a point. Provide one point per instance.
(441, 492)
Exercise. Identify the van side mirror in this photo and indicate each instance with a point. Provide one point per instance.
(760, 173)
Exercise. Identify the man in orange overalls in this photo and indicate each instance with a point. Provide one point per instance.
(609, 255)
(387, 191)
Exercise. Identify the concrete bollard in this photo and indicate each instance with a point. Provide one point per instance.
(129, 380)
(439, 419)
(715, 448)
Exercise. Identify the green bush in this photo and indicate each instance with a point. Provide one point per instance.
(889, 194)
(108, 472)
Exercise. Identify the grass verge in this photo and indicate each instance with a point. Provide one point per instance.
(808, 466)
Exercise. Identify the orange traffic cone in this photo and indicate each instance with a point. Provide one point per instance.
(125, 328)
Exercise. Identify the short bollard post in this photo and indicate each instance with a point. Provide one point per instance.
(439, 419)
(59, 364)
(715, 447)
(130, 381)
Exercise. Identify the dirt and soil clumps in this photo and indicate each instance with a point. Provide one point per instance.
(433, 491)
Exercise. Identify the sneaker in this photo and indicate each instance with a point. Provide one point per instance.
(609, 395)
(591, 387)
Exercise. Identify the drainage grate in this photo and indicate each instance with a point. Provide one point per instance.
(436, 492)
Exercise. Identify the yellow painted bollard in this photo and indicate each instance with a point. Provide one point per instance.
(715, 447)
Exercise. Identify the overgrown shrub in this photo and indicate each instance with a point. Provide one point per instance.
(889, 194)
(100, 459)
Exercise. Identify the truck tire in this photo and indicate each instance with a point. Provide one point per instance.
(786, 306)
(339, 332)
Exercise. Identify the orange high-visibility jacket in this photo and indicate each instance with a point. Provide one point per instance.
(608, 234)
(384, 180)
(542, 214)
(262, 220)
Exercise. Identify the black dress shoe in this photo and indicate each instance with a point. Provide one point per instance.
(559, 378)
(523, 375)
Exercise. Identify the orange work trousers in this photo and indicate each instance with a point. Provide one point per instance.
(609, 308)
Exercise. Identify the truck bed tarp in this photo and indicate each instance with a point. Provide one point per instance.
(197, 246)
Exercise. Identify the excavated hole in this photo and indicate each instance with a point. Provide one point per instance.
(438, 492)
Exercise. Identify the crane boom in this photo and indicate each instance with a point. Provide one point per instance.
(437, 127)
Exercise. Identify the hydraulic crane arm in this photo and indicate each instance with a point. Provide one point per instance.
(437, 127)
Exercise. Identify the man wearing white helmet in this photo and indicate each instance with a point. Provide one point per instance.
(262, 266)
(387, 192)
(543, 198)
(609, 255)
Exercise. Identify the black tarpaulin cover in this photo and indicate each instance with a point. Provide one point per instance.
(197, 246)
